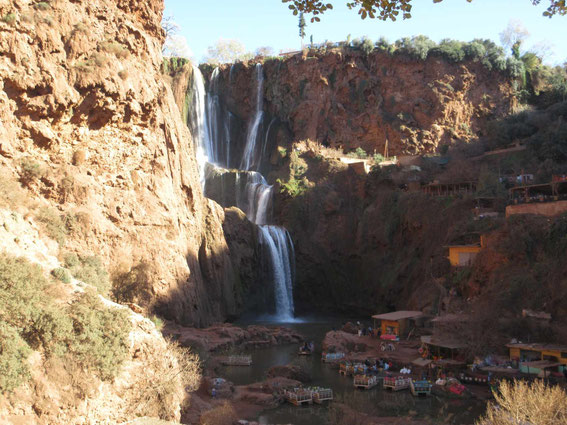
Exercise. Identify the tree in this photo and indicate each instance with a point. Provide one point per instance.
(302, 26)
(513, 36)
(176, 46)
(169, 27)
(226, 51)
(391, 9)
(264, 51)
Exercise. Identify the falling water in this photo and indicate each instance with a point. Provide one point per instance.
(211, 127)
(198, 124)
(277, 243)
(249, 155)
(255, 199)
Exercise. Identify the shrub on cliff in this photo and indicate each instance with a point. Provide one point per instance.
(30, 172)
(451, 50)
(417, 47)
(99, 340)
(367, 46)
(133, 286)
(13, 358)
(89, 269)
(522, 402)
(93, 335)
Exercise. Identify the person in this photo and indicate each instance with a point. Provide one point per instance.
(305, 347)
(386, 366)
(214, 392)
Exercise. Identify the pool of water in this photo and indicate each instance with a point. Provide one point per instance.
(377, 401)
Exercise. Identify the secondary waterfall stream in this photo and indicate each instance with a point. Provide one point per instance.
(211, 128)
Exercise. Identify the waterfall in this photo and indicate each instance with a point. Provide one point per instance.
(255, 199)
(198, 122)
(279, 247)
(211, 125)
(249, 156)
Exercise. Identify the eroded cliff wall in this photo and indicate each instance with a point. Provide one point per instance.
(84, 107)
(347, 99)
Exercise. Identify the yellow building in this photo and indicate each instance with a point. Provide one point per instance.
(538, 358)
(464, 255)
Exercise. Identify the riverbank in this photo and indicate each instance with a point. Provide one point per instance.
(256, 398)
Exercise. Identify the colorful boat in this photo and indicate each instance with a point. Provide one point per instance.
(420, 388)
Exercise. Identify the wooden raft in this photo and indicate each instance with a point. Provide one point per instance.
(299, 396)
(366, 382)
(322, 394)
(237, 361)
(396, 383)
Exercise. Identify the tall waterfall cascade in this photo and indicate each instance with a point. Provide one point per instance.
(211, 128)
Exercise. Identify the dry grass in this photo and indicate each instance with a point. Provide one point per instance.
(524, 403)
(11, 192)
(221, 415)
(169, 372)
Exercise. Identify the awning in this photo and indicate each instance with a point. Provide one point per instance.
(422, 362)
(398, 315)
(540, 364)
(437, 342)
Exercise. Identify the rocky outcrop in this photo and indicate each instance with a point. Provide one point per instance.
(225, 336)
(345, 99)
(82, 98)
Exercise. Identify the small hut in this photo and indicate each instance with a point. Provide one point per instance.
(397, 323)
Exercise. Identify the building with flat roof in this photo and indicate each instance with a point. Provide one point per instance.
(539, 358)
(396, 323)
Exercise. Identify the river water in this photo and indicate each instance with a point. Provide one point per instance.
(376, 402)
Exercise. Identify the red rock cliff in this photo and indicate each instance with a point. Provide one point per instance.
(82, 98)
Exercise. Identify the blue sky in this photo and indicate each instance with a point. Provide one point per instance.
(258, 23)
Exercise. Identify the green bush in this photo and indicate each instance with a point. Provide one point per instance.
(100, 335)
(27, 307)
(451, 50)
(71, 260)
(31, 171)
(417, 47)
(358, 153)
(384, 45)
(157, 321)
(61, 274)
(92, 272)
(94, 336)
(474, 51)
(13, 358)
(515, 68)
(294, 187)
(9, 18)
(367, 46)
(53, 224)
(42, 5)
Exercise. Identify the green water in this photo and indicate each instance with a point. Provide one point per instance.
(376, 402)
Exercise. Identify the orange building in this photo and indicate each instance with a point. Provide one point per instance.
(464, 255)
(396, 323)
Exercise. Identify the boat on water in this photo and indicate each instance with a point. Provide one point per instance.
(421, 388)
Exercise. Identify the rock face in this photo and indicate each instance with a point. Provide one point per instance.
(347, 99)
(82, 97)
